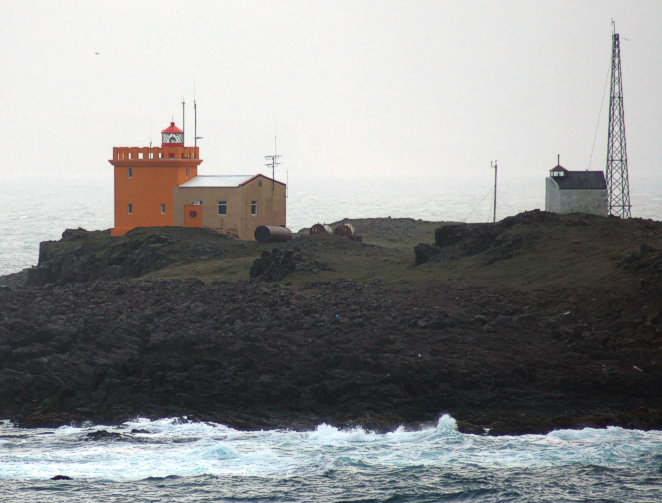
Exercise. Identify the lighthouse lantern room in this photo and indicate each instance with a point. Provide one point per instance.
(172, 136)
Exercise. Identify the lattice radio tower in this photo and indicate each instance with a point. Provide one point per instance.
(618, 187)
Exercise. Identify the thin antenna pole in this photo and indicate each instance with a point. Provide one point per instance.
(274, 160)
(494, 165)
(195, 119)
(183, 122)
(273, 165)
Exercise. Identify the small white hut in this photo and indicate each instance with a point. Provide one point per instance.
(576, 191)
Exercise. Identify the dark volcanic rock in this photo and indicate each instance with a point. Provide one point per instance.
(253, 354)
(424, 252)
(78, 259)
(647, 264)
(103, 435)
(494, 240)
(472, 239)
(80, 233)
(273, 265)
(277, 264)
(259, 354)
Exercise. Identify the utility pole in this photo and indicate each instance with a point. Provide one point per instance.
(273, 162)
(616, 171)
(494, 165)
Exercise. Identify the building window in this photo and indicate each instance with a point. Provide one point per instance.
(130, 208)
(130, 172)
(187, 173)
(140, 155)
(259, 183)
(162, 209)
(151, 155)
(253, 207)
(222, 207)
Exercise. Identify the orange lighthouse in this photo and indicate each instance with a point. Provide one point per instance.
(145, 180)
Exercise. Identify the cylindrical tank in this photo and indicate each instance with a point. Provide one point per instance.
(320, 229)
(271, 234)
(345, 230)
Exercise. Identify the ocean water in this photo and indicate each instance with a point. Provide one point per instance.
(38, 208)
(177, 460)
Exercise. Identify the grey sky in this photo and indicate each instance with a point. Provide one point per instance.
(355, 87)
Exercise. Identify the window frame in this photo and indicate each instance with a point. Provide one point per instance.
(218, 207)
(254, 208)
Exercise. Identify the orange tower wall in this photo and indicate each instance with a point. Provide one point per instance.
(145, 178)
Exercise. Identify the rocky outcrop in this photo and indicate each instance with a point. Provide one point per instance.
(84, 345)
(273, 265)
(253, 355)
(495, 241)
(78, 258)
(277, 264)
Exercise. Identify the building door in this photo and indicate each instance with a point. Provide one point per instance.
(192, 215)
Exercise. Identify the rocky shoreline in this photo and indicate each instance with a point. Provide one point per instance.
(255, 354)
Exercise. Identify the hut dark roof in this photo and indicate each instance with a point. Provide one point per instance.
(581, 180)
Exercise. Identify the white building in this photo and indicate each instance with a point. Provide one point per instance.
(576, 192)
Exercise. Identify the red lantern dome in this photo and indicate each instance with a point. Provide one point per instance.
(172, 136)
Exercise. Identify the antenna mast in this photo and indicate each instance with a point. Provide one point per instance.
(195, 124)
(273, 162)
(618, 187)
(195, 119)
(494, 165)
(183, 122)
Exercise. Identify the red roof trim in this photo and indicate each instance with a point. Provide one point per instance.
(172, 129)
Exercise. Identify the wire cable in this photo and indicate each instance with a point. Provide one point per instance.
(597, 126)
(478, 204)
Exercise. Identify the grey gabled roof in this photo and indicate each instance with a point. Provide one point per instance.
(581, 180)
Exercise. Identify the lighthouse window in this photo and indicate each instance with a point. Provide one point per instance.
(130, 172)
(162, 209)
(130, 208)
(222, 207)
(253, 207)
